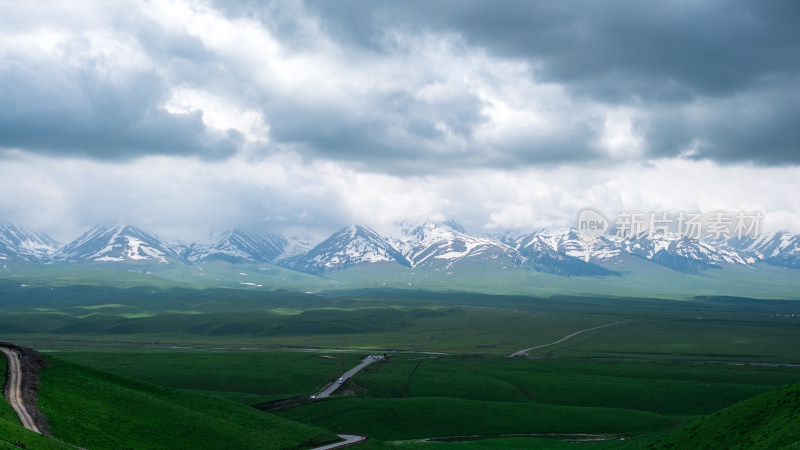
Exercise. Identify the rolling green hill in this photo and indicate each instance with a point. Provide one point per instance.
(12, 432)
(93, 409)
(768, 421)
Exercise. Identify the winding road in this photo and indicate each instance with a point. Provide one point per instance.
(524, 352)
(14, 390)
(349, 439)
(335, 385)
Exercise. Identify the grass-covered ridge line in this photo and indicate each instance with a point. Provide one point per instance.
(248, 377)
(413, 396)
(767, 421)
(93, 409)
(407, 418)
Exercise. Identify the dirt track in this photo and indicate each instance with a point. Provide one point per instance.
(22, 382)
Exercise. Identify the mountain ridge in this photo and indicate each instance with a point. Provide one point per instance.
(438, 246)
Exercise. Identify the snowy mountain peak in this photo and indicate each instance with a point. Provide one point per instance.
(349, 246)
(236, 246)
(679, 252)
(17, 242)
(777, 249)
(115, 243)
(444, 243)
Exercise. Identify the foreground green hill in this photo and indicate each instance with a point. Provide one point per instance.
(93, 409)
(768, 421)
(12, 432)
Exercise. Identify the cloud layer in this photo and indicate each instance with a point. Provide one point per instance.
(315, 111)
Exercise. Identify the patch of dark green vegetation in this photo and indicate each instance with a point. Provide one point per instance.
(93, 409)
(407, 418)
(635, 399)
(248, 377)
(428, 396)
(768, 421)
(91, 317)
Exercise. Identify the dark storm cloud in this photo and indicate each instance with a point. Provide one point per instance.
(666, 49)
(707, 80)
(657, 55)
(757, 126)
(398, 132)
(82, 104)
(78, 115)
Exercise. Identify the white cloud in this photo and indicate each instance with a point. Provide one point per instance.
(421, 123)
(64, 197)
(219, 113)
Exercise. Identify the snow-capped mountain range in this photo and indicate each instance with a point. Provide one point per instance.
(438, 246)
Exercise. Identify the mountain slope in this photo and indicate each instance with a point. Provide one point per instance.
(92, 409)
(238, 246)
(562, 252)
(349, 246)
(443, 244)
(18, 243)
(777, 249)
(680, 253)
(116, 243)
(768, 421)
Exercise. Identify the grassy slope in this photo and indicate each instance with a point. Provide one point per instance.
(408, 418)
(96, 410)
(638, 279)
(414, 396)
(768, 421)
(664, 388)
(247, 377)
(430, 416)
(10, 429)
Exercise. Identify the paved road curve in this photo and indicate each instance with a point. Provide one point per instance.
(349, 439)
(569, 336)
(335, 385)
(14, 389)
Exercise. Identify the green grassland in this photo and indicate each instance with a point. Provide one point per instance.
(93, 409)
(409, 418)
(768, 421)
(636, 280)
(11, 431)
(415, 396)
(187, 358)
(96, 317)
(246, 377)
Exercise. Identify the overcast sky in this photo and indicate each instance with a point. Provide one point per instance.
(195, 115)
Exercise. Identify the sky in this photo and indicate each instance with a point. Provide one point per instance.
(185, 116)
